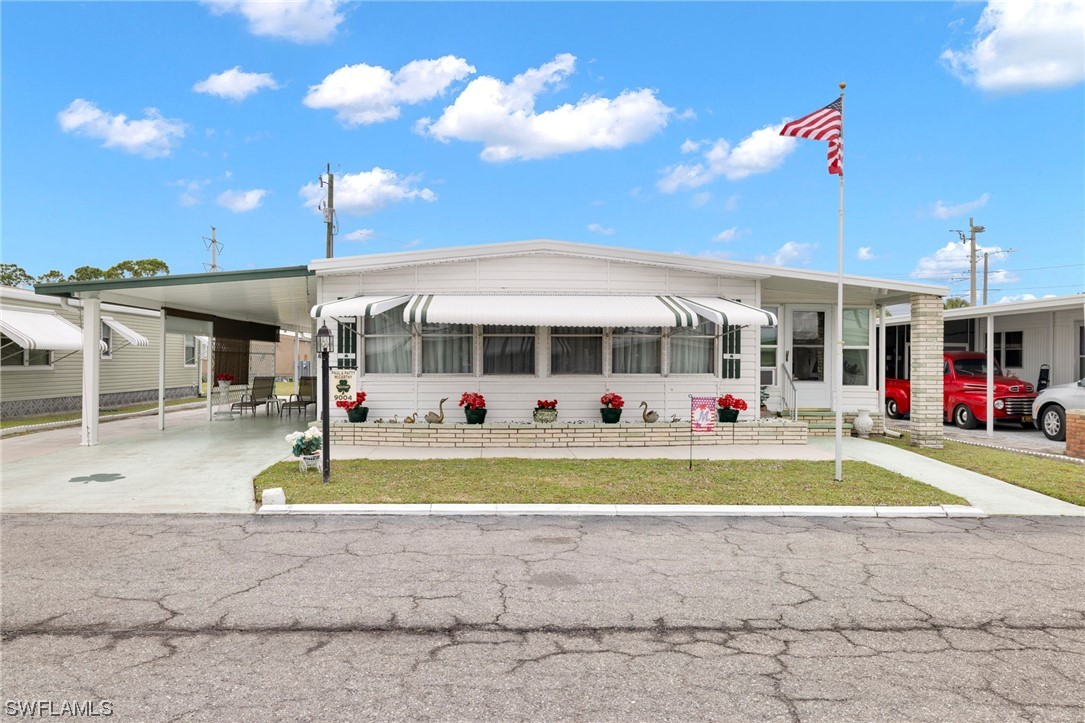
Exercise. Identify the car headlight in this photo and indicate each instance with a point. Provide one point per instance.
(999, 404)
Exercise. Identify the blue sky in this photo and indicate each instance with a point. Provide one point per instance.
(129, 129)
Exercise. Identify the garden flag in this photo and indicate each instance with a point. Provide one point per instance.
(703, 414)
(825, 124)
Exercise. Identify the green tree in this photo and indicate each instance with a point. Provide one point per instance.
(86, 273)
(12, 275)
(51, 277)
(140, 268)
(955, 302)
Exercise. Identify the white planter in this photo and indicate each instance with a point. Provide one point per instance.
(863, 424)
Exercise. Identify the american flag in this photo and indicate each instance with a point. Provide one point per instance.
(824, 124)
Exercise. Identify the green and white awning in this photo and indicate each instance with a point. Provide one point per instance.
(358, 306)
(728, 313)
(547, 310)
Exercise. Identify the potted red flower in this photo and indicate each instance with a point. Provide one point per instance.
(729, 407)
(474, 407)
(356, 412)
(546, 411)
(611, 411)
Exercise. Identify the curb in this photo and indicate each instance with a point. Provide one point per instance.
(572, 510)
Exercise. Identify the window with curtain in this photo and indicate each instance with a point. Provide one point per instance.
(856, 347)
(13, 355)
(576, 350)
(770, 342)
(190, 350)
(691, 349)
(508, 350)
(346, 343)
(447, 348)
(388, 343)
(636, 350)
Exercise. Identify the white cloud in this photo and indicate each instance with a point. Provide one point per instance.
(760, 152)
(503, 118)
(235, 83)
(362, 235)
(300, 21)
(603, 230)
(150, 137)
(1024, 45)
(864, 254)
(941, 210)
(700, 199)
(190, 195)
(951, 262)
(731, 204)
(1023, 297)
(363, 94)
(790, 254)
(690, 146)
(241, 201)
(367, 191)
(729, 235)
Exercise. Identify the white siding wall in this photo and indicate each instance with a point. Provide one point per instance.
(1048, 338)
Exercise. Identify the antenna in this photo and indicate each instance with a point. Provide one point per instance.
(215, 246)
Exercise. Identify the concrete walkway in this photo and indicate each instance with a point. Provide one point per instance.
(993, 496)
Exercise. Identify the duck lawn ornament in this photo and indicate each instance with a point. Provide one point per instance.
(410, 419)
(649, 417)
(437, 418)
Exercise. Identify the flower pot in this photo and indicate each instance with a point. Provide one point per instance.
(610, 415)
(309, 461)
(727, 415)
(358, 414)
(545, 416)
(475, 416)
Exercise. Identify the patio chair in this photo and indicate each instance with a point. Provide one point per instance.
(306, 395)
(262, 393)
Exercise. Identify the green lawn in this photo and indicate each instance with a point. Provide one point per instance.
(602, 481)
(1052, 477)
(8, 422)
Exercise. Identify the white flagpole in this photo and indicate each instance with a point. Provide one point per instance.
(839, 371)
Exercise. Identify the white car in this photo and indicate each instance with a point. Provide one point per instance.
(1049, 408)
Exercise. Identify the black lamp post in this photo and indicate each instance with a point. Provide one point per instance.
(324, 348)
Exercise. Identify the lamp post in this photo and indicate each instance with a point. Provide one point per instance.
(324, 348)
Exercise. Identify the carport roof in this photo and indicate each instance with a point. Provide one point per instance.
(280, 296)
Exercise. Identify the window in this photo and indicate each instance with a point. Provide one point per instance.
(107, 338)
(388, 343)
(14, 356)
(692, 348)
(447, 348)
(508, 350)
(346, 344)
(190, 350)
(636, 350)
(1009, 348)
(856, 347)
(808, 345)
(576, 350)
(769, 344)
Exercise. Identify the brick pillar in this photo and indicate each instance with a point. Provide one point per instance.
(926, 370)
(1075, 433)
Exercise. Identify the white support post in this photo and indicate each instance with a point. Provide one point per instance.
(297, 354)
(990, 375)
(881, 356)
(210, 371)
(92, 361)
(162, 370)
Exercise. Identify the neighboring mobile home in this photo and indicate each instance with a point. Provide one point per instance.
(41, 358)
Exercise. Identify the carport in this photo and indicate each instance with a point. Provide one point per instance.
(247, 305)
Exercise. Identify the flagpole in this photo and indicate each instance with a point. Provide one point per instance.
(839, 371)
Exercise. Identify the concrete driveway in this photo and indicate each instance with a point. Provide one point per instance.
(192, 466)
(1005, 436)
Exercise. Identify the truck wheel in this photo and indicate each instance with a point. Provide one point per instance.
(963, 417)
(1053, 422)
(891, 409)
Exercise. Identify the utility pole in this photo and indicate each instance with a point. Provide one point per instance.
(215, 245)
(973, 230)
(329, 212)
(985, 255)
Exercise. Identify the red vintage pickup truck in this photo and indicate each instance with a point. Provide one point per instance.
(964, 393)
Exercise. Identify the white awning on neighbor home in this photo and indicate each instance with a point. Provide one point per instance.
(726, 312)
(132, 337)
(33, 329)
(358, 306)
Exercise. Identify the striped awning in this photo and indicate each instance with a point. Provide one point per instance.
(358, 306)
(729, 313)
(132, 337)
(547, 310)
(34, 329)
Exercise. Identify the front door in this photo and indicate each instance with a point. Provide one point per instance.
(810, 360)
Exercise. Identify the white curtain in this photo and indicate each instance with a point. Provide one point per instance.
(388, 343)
(446, 348)
(579, 354)
(636, 350)
(508, 350)
(691, 349)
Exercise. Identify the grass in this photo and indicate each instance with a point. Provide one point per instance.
(599, 481)
(1051, 477)
(8, 422)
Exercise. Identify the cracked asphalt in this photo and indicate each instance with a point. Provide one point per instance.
(240, 618)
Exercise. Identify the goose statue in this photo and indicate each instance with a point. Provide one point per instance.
(649, 417)
(437, 418)
(411, 419)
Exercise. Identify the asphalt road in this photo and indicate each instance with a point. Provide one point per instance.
(238, 618)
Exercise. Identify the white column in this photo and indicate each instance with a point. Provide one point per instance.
(92, 361)
(210, 370)
(990, 375)
(881, 355)
(297, 354)
(162, 369)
